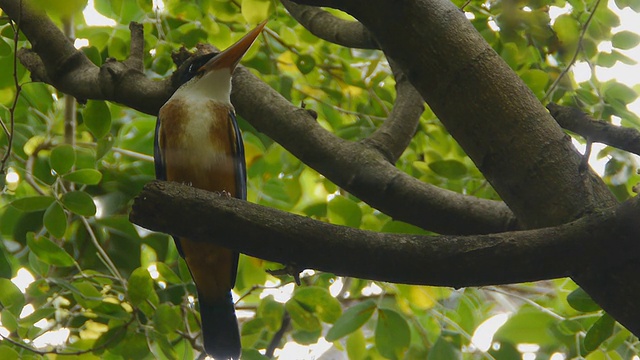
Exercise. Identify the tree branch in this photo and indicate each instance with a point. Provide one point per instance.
(362, 170)
(575, 120)
(395, 134)
(606, 237)
(358, 168)
(324, 25)
(503, 128)
(54, 60)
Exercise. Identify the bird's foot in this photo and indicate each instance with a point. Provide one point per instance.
(289, 269)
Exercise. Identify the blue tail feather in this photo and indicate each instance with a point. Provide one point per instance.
(220, 333)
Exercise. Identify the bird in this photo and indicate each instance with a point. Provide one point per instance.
(198, 142)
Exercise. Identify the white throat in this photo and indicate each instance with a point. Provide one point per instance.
(214, 85)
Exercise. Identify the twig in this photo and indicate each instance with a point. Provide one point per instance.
(12, 110)
(277, 337)
(575, 55)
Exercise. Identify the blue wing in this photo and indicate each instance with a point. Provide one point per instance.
(239, 161)
(161, 171)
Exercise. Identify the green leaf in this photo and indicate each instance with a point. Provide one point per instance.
(400, 227)
(451, 169)
(320, 302)
(255, 11)
(86, 294)
(11, 297)
(84, 176)
(253, 327)
(62, 158)
(93, 54)
(5, 48)
(617, 92)
(55, 220)
(301, 317)
(97, 118)
(305, 337)
(625, 40)
(351, 320)
(444, 349)
(5, 264)
(536, 80)
(9, 320)
(600, 331)
(356, 346)
(167, 274)
(37, 315)
(344, 211)
(140, 286)
(104, 145)
(581, 301)
(79, 202)
(167, 318)
(271, 312)
(33, 203)
(305, 63)
(48, 251)
(529, 326)
(7, 353)
(567, 29)
(392, 334)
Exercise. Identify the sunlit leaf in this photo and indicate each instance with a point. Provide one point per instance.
(529, 326)
(255, 11)
(8, 353)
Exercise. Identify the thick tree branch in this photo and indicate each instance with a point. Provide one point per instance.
(395, 134)
(358, 168)
(136, 54)
(54, 60)
(362, 170)
(606, 237)
(324, 25)
(502, 126)
(575, 120)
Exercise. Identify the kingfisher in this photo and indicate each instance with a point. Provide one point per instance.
(197, 142)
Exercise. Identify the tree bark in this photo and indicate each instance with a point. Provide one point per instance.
(457, 261)
(502, 126)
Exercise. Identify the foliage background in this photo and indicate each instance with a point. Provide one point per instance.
(120, 292)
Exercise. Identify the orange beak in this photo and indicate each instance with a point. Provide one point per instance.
(230, 58)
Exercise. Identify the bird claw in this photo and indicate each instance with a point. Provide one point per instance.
(289, 269)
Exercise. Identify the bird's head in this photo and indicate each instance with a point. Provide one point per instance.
(219, 65)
